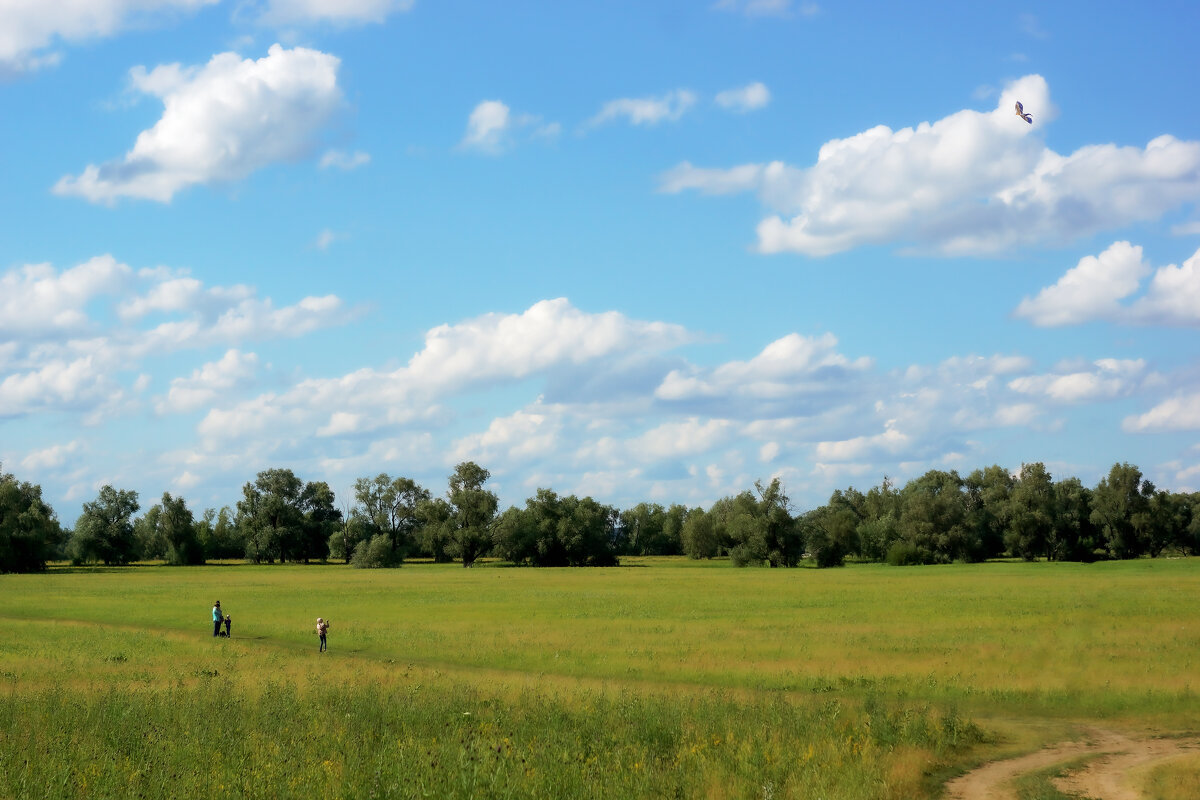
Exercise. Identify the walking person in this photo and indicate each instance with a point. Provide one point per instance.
(322, 629)
(218, 618)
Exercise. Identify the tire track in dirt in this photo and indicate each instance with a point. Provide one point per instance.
(1105, 777)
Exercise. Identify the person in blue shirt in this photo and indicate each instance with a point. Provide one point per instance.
(218, 618)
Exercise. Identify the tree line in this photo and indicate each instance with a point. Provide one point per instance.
(939, 517)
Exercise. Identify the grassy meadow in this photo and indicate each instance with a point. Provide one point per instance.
(662, 677)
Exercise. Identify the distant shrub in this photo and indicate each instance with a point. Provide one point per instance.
(825, 550)
(374, 553)
(907, 554)
(744, 555)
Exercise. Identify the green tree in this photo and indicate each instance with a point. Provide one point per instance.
(651, 530)
(29, 529)
(554, 531)
(1191, 534)
(760, 529)
(374, 553)
(699, 537)
(353, 529)
(1120, 508)
(933, 522)
(876, 535)
(270, 516)
(104, 531)
(178, 528)
(1032, 509)
(390, 506)
(986, 494)
(320, 518)
(585, 529)
(1073, 537)
(830, 534)
(472, 509)
(435, 527)
(672, 532)
(219, 534)
(1166, 522)
(881, 501)
(149, 543)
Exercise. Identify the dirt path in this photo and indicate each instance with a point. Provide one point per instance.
(1105, 777)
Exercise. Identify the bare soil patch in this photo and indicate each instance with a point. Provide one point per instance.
(1106, 777)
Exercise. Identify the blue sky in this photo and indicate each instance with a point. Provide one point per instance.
(639, 251)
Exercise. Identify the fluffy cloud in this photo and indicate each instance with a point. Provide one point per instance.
(646, 110)
(858, 448)
(688, 437)
(1092, 289)
(1095, 288)
(73, 334)
(50, 457)
(1178, 413)
(522, 435)
(1106, 379)
(209, 382)
(492, 126)
(37, 300)
(970, 183)
(221, 122)
(486, 126)
(489, 350)
(75, 384)
(797, 373)
(550, 333)
(338, 12)
(31, 26)
(747, 98)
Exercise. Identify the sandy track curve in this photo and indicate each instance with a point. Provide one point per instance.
(1106, 777)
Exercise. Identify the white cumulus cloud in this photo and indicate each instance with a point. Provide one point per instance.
(221, 122)
(50, 457)
(1178, 413)
(486, 126)
(76, 337)
(970, 183)
(29, 29)
(37, 299)
(492, 128)
(209, 383)
(1096, 287)
(790, 367)
(549, 337)
(1107, 378)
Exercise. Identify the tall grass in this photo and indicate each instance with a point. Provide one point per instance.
(373, 734)
(659, 678)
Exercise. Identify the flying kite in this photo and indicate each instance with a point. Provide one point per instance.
(1021, 113)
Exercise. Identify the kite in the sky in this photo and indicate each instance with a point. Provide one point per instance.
(1021, 113)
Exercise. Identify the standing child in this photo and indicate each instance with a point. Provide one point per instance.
(228, 626)
(322, 629)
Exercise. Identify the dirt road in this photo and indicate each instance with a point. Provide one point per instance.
(1113, 757)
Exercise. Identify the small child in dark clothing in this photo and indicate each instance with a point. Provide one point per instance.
(228, 625)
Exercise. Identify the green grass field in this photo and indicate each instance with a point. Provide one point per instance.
(662, 677)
